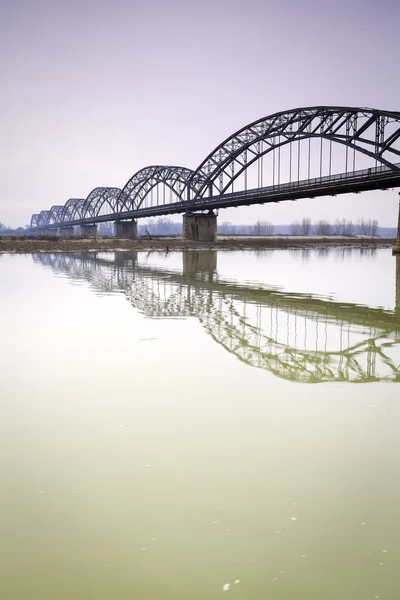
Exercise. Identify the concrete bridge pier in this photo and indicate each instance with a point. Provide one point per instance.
(200, 227)
(67, 231)
(125, 229)
(88, 231)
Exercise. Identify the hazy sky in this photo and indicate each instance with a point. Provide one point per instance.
(92, 91)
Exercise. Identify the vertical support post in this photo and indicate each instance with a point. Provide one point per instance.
(347, 138)
(397, 301)
(397, 247)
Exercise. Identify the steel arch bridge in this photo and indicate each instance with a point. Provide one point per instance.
(300, 153)
(294, 337)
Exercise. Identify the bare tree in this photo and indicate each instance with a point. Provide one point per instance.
(338, 227)
(369, 227)
(295, 228)
(362, 227)
(323, 227)
(348, 228)
(305, 226)
(162, 226)
(263, 228)
(225, 228)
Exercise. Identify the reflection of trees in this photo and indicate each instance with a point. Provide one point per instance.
(296, 337)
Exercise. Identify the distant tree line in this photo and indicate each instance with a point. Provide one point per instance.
(160, 226)
(5, 230)
(345, 227)
(339, 227)
(166, 226)
(259, 228)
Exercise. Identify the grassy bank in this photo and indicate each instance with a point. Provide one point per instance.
(57, 244)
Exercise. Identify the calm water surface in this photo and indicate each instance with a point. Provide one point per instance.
(200, 426)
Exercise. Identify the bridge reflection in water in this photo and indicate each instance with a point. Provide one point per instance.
(294, 336)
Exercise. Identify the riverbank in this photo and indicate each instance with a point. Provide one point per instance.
(57, 244)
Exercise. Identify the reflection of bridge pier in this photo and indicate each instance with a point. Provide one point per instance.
(125, 259)
(201, 263)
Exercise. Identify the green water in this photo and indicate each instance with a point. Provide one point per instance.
(200, 426)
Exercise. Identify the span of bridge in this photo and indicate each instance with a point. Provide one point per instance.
(294, 336)
(290, 155)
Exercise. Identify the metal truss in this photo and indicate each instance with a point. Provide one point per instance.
(139, 188)
(359, 129)
(372, 133)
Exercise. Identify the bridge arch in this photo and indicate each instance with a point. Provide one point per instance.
(43, 218)
(101, 197)
(35, 220)
(139, 187)
(72, 210)
(370, 132)
(55, 213)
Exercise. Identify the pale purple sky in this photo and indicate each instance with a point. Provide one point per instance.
(92, 91)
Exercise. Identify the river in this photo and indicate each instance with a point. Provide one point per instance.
(200, 425)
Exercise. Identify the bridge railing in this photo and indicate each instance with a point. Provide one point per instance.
(362, 174)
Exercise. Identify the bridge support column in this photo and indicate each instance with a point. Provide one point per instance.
(200, 227)
(66, 231)
(125, 229)
(88, 231)
(397, 247)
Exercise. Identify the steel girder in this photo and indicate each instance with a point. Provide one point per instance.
(374, 133)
